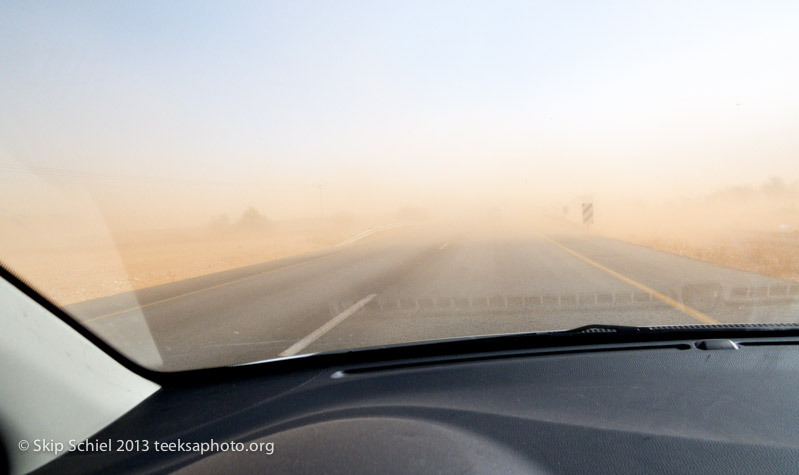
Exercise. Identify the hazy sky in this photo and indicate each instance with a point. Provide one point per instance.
(396, 101)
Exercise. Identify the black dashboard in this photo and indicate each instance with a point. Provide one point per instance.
(669, 406)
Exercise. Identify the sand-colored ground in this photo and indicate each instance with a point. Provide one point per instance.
(772, 254)
(73, 268)
(82, 268)
(749, 228)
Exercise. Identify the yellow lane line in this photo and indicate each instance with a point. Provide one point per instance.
(194, 292)
(654, 293)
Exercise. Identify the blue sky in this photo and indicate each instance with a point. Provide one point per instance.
(484, 98)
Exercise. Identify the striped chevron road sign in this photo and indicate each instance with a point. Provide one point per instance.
(588, 213)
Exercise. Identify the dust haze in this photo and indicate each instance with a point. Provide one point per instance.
(78, 238)
(140, 146)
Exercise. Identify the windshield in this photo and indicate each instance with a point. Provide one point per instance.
(209, 184)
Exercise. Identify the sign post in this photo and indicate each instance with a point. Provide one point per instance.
(588, 213)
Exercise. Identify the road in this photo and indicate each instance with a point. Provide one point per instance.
(425, 283)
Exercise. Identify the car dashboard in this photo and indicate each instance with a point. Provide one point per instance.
(669, 406)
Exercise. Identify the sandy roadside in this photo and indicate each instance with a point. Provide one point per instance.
(773, 254)
(76, 270)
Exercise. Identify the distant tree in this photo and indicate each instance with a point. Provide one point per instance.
(252, 219)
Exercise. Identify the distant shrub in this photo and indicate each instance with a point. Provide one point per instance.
(252, 219)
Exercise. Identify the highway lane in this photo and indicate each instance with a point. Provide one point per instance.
(427, 283)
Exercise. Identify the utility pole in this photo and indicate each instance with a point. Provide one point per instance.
(319, 187)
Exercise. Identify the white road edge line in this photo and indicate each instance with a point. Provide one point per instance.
(371, 231)
(443, 246)
(300, 345)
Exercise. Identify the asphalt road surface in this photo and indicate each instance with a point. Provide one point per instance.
(420, 283)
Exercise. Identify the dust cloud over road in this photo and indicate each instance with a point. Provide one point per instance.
(82, 240)
(123, 168)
